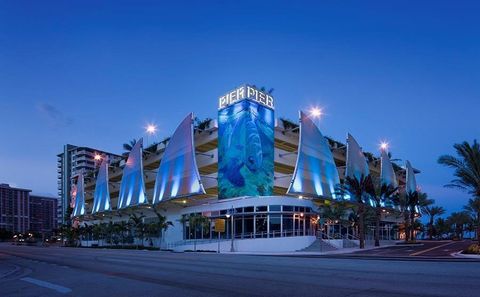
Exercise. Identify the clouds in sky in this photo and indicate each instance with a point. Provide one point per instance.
(55, 118)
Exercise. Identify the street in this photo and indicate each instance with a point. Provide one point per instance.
(57, 271)
(425, 249)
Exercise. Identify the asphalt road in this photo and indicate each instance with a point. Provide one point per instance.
(425, 249)
(54, 271)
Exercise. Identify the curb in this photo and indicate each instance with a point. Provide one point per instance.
(461, 255)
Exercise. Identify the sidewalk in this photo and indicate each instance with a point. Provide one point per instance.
(335, 252)
(469, 256)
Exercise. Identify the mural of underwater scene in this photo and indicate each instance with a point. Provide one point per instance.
(245, 150)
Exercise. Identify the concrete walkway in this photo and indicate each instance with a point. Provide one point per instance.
(302, 253)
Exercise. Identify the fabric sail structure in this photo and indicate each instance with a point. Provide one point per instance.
(387, 174)
(178, 174)
(315, 170)
(132, 186)
(101, 196)
(79, 209)
(411, 182)
(356, 163)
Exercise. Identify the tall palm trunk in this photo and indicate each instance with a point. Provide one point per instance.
(361, 235)
(406, 218)
(478, 228)
(412, 226)
(430, 235)
(377, 227)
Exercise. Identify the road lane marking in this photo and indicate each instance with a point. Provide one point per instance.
(431, 249)
(48, 285)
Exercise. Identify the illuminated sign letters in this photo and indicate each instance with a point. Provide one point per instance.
(245, 92)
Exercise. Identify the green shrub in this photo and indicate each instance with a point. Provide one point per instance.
(472, 249)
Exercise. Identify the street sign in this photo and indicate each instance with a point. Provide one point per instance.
(219, 225)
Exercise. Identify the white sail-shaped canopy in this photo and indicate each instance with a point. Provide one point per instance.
(132, 187)
(411, 182)
(101, 197)
(79, 209)
(315, 170)
(178, 174)
(387, 174)
(356, 162)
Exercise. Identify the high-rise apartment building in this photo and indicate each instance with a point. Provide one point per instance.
(14, 209)
(43, 214)
(72, 161)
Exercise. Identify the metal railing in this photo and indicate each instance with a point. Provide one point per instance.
(250, 235)
(348, 240)
(193, 242)
(275, 234)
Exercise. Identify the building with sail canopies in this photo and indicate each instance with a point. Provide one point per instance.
(260, 181)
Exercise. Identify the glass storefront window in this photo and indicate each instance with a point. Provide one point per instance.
(261, 222)
(287, 225)
(275, 225)
(308, 225)
(248, 209)
(238, 227)
(248, 226)
(275, 208)
(266, 221)
(261, 208)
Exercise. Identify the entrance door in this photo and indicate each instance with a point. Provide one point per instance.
(298, 225)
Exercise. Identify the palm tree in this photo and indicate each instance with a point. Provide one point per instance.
(138, 225)
(424, 201)
(129, 146)
(441, 227)
(109, 232)
(195, 221)
(358, 190)
(82, 231)
(432, 212)
(162, 225)
(416, 201)
(335, 213)
(202, 124)
(98, 232)
(122, 227)
(458, 220)
(87, 232)
(467, 170)
(381, 195)
(401, 202)
(473, 209)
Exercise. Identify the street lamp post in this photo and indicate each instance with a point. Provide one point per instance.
(151, 129)
(316, 113)
(230, 215)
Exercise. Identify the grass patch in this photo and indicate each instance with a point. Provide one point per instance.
(473, 249)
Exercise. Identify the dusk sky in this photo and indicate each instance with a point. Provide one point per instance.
(94, 74)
